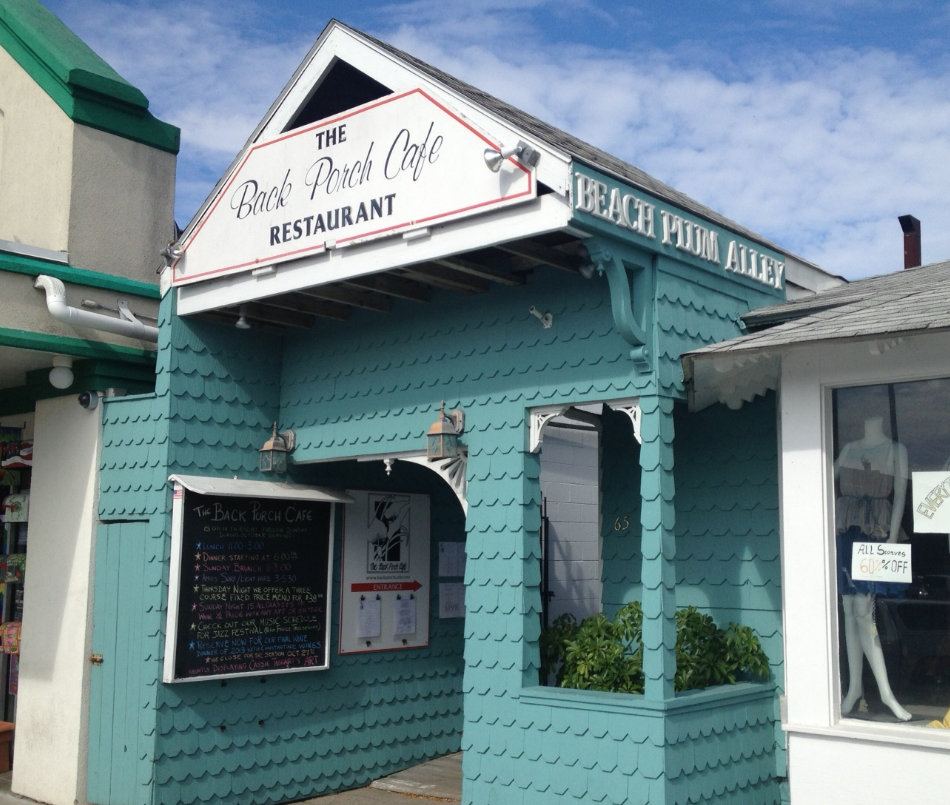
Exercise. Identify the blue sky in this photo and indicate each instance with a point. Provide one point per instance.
(815, 123)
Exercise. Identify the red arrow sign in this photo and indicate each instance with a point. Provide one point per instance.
(385, 586)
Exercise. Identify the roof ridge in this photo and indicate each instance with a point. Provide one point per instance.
(578, 149)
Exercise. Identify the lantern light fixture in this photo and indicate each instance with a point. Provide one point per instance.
(442, 440)
(273, 455)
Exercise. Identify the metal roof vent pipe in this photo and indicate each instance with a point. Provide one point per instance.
(911, 227)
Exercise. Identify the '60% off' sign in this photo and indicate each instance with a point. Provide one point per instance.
(881, 561)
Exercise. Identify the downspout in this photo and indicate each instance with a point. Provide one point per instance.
(128, 325)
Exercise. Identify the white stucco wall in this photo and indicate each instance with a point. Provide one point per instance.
(35, 162)
(53, 704)
(107, 201)
(833, 760)
(122, 205)
(570, 480)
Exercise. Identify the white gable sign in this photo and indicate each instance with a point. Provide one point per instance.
(402, 162)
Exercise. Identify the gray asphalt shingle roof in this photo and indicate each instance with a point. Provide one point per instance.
(579, 150)
(910, 301)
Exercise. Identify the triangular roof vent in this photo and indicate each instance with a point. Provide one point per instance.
(343, 87)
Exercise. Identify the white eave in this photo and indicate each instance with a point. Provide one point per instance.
(234, 487)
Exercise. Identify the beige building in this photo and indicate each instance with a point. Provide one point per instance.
(87, 178)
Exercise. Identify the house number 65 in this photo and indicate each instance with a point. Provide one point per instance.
(622, 523)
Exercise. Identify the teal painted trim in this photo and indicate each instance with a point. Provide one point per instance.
(33, 267)
(637, 705)
(720, 238)
(77, 347)
(129, 398)
(89, 375)
(84, 86)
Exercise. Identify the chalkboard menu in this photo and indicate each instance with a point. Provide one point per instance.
(250, 587)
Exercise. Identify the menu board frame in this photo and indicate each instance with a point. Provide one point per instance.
(191, 489)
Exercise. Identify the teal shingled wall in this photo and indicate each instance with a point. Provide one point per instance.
(370, 386)
(264, 739)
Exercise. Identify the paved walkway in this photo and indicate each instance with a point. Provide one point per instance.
(439, 780)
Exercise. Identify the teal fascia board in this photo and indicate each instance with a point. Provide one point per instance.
(84, 86)
(18, 264)
(77, 347)
(712, 261)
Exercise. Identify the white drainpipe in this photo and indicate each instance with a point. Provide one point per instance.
(128, 325)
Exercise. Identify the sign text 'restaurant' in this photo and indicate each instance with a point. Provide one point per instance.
(396, 164)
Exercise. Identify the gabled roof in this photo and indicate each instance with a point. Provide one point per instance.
(905, 302)
(87, 89)
(579, 150)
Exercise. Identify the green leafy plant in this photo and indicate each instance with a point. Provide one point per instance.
(606, 654)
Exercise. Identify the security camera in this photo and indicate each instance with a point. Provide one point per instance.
(89, 400)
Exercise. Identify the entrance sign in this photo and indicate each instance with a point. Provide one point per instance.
(396, 164)
(249, 583)
(386, 584)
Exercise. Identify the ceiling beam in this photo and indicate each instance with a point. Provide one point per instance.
(396, 287)
(361, 298)
(303, 303)
(479, 270)
(257, 311)
(544, 255)
(230, 318)
(444, 278)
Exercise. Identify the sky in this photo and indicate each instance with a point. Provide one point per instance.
(812, 122)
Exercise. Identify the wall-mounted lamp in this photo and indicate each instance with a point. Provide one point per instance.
(442, 440)
(242, 323)
(61, 375)
(523, 152)
(273, 455)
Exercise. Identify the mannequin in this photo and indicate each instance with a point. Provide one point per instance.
(868, 471)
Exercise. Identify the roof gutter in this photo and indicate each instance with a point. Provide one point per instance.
(128, 325)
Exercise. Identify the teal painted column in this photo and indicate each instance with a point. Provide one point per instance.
(502, 600)
(657, 518)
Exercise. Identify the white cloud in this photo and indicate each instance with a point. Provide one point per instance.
(819, 152)
(820, 155)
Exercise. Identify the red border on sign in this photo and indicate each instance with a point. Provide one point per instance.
(321, 247)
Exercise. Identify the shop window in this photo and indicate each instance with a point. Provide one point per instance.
(891, 467)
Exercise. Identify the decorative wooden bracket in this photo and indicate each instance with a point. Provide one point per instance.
(631, 301)
(539, 418)
(451, 470)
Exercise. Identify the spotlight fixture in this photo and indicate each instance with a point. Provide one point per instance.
(61, 375)
(525, 154)
(242, 323)
(173, 251)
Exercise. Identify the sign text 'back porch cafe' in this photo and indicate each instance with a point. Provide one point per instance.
(395, 164)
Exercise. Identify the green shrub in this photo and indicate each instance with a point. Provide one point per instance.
(606, 654)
